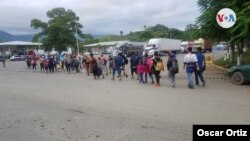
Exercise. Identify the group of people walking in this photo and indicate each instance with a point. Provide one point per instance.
(141, 67)
(53, 63)
(152, 65)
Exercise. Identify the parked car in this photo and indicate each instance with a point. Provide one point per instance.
(23, 57)
(15, 58)
(239, 74)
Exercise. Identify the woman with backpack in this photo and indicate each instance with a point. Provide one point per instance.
(157, 68)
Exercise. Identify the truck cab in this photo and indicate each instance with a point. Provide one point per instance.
(151, 49)
(206, 45)
(185, 45)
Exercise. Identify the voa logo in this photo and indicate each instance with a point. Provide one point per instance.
(226, 18)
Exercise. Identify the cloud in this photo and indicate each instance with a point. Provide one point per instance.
(100, 16)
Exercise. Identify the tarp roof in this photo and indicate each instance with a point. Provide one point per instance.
(16, 43)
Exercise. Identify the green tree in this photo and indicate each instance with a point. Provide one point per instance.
(121, 33)
(240, 31)
(191, 32)
(236, 35)
(146, 35)
(59, 31)
(208, 27)
(158, 28)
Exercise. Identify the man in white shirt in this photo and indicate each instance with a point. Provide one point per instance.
(190, 64)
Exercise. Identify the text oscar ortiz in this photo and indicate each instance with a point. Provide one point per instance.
(220, 132)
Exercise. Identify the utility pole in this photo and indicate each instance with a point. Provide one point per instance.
(77, 42)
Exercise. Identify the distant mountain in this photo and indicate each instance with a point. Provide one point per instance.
(6, 37)
(98, 36)
(24, 37)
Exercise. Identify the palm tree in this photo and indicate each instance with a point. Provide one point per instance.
(121, 32)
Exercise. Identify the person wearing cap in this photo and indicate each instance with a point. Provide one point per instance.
(190, 64)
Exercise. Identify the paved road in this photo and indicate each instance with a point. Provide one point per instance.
(35, 106)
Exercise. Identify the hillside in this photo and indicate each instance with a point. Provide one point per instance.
(157, 31)
(6, 37)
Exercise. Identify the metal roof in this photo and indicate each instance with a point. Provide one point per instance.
(113, 43)
(15, 43)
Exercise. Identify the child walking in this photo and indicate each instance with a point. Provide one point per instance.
(141, 70)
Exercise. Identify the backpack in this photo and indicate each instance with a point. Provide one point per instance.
(175, 66)
(159, 66)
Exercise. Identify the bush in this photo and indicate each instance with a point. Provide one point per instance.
(221, 62)
(227, 64)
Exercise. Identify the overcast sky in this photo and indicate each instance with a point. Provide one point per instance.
(100, 16)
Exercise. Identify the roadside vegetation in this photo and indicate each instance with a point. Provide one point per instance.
(245, 59)
(237, 36)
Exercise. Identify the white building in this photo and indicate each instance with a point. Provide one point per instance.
(18, 47)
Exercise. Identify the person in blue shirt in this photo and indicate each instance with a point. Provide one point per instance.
(118, 62)
(133, 64)
(202, 65)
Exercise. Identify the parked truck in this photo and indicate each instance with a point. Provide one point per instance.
(205, 44)
(162, 45)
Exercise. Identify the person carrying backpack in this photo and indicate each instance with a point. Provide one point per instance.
(173, 68)
(133, 65)
(157, 68)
